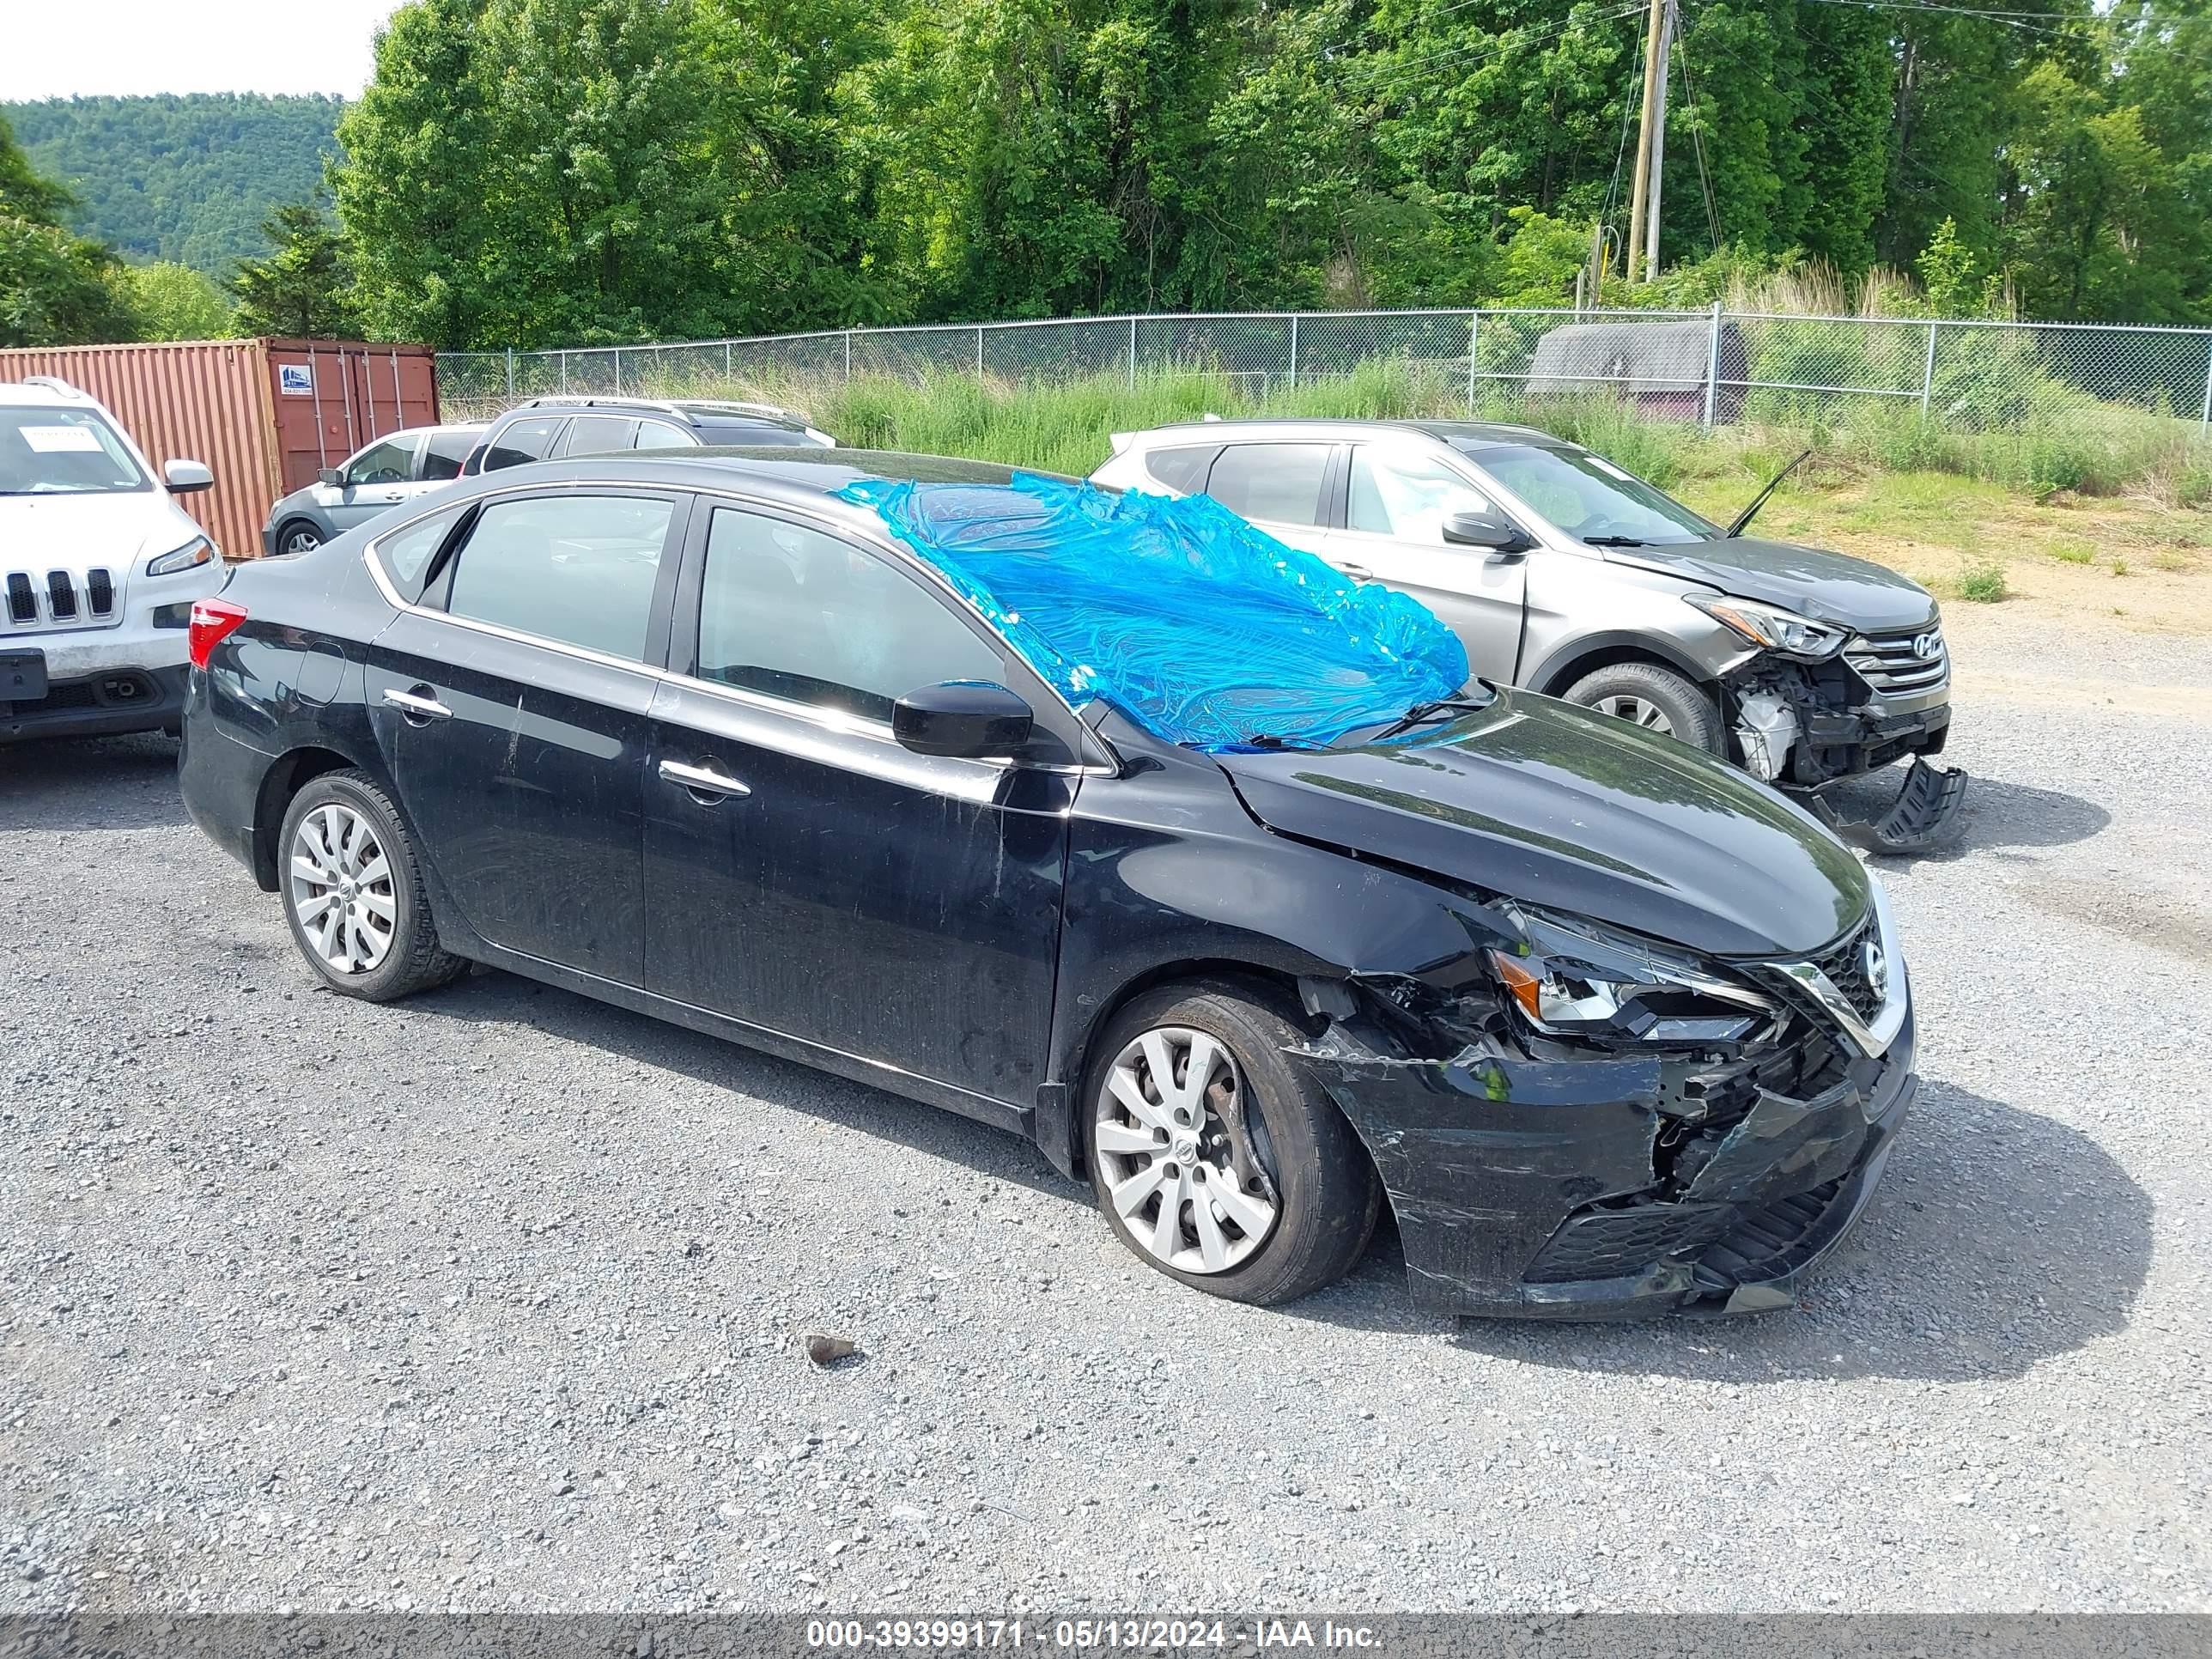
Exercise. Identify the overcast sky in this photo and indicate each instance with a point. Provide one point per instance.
(61, 49)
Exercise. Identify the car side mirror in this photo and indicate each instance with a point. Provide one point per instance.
(330, 476)
(187, 477)
(1487, 530)
(963, 720)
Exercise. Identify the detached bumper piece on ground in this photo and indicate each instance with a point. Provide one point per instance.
(1923, 816)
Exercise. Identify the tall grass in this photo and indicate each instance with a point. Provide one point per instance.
(1067, 426)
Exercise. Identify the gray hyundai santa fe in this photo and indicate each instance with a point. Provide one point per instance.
(1565, 573)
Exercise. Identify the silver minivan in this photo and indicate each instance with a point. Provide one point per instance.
(1565, 574)
(375, 478)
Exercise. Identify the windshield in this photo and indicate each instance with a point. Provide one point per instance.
(57, 451)
(1199, 628)
(1590, 498)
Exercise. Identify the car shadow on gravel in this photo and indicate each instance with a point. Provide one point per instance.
(1999, 1239)
(90, 783)
(492, 997)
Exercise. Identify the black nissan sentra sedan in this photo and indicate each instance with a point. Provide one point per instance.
(757, 743)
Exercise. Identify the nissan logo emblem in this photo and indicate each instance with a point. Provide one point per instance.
(1927, 645)
(1876, 966)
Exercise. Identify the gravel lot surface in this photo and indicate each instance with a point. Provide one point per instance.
(497, 1299)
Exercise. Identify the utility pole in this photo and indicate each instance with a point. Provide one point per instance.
(1632, 244)
(1658, 105)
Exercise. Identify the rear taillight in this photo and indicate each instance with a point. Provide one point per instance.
(213, 621)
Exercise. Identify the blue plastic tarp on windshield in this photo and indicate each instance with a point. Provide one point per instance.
(1201, 629)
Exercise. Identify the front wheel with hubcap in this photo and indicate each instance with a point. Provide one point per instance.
(1656, 699)
(1218, 1161)
(353, 891)
(298, 535)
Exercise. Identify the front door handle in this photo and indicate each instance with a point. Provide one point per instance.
(708, 786)
(419, 705)
(1359, 572)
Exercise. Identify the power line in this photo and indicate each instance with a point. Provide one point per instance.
(1698, 143)
(2052, 25)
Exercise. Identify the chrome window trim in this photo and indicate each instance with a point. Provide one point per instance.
(840, 722)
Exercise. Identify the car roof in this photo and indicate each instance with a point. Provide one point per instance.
(45, 393)
(1220, 431)
(700, 411)
(807, 477)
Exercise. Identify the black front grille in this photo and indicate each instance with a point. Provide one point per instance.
(1844, 963)
(100, 592)
(1764, 1243)
(22, 601)
(61, 598)
(1611, 1243)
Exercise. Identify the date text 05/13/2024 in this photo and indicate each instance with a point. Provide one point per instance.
(1084, 1634)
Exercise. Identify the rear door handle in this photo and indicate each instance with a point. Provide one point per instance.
(1359, 572)
(708, 786)
(420, 704)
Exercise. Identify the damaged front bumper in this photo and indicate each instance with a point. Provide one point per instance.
(1806, 726)
(1620, 1187)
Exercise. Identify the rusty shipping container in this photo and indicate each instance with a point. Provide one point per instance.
(266, 415)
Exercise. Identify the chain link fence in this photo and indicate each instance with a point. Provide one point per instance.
(1714, 366)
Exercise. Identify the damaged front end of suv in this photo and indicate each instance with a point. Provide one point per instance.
(1812, 703)
(1574, 1123)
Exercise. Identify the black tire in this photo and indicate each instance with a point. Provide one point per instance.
(414, 960)
(1690, 715)
(1326, 1192)
(292, 527)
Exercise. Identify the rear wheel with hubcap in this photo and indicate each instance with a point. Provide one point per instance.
(1215, 1159)
(353, 891)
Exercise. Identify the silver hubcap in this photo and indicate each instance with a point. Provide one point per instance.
(1636, 712)
(341, 889)
(300, 540)
(1175, 1133)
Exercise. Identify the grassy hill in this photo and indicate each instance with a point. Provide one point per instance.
(184, 177)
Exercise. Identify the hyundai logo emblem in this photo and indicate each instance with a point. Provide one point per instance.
(1925, 646)
(1876, 966)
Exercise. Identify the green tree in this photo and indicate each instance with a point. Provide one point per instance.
(170, 301)
(412, 196)
(302, 289)
(54, 286)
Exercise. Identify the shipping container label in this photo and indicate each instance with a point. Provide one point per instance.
(295, 379)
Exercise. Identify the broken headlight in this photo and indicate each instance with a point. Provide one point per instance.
(1582, 981)
(1772, 629)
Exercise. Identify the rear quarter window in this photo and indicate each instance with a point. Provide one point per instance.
(1181, 469)
(523, 441)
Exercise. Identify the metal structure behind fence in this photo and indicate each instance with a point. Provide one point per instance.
(1984, 376)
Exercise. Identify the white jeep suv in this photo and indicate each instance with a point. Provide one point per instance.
(99, 568)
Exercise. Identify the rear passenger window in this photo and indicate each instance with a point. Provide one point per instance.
(1181, 470)
(597, 434)
(580, 569)
(526, 440)
(803, 615)
(445, 452)
(1279, 483)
